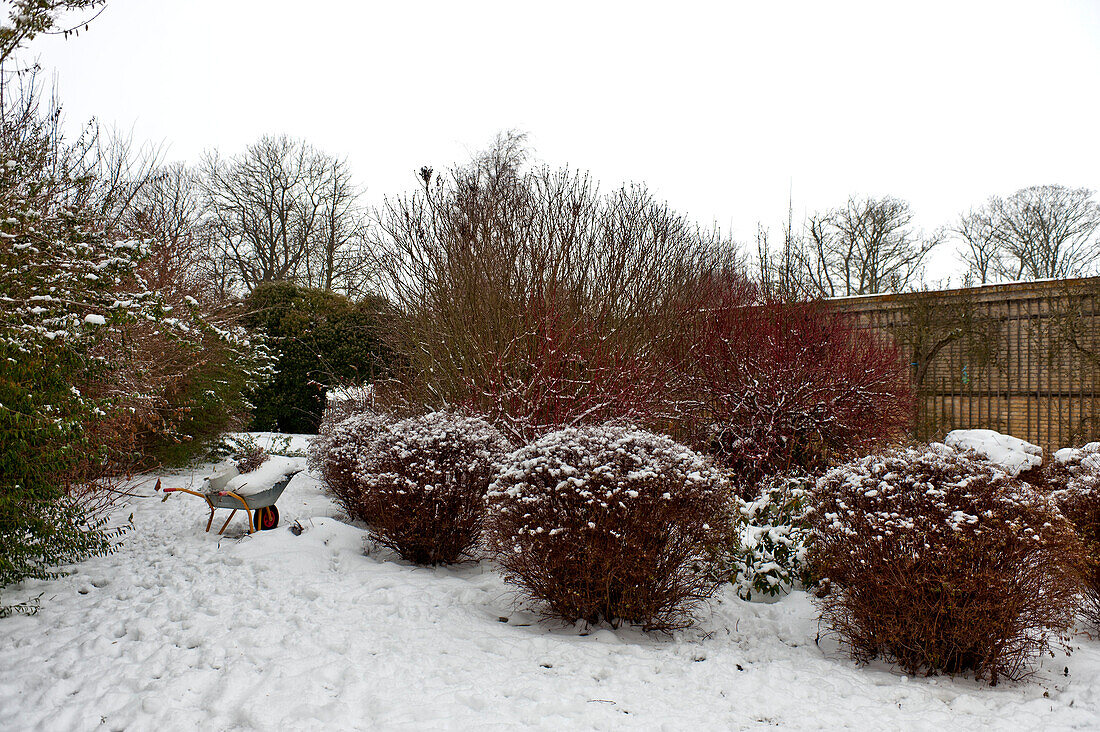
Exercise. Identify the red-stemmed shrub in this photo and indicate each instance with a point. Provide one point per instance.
(420, 484)
(564, 371)
(1074, 480)
(942, 563)
(609, 522)
(793, 387)
(335, 454)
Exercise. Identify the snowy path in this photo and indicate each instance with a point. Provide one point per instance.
(181, 630)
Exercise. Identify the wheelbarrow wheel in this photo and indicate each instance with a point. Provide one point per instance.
(268, 518)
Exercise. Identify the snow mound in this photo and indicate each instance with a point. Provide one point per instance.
(1009, 453)
(1075, 455)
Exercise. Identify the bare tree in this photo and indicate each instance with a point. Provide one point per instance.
(529, 296)
(168, 211)
(283, 210)
(337, 260)
(1044, 232)
(868, 246)
(28, 18)
(780, 274)
(982, 254)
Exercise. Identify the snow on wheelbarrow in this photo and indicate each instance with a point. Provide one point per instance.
(255, 492)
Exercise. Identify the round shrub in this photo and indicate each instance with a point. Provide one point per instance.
(420, 484)
(335, 453)
(942, 563)
(609, 522)
(1074, 477)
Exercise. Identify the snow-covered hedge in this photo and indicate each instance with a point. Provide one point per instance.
(1074, 478)
(609, 522)
(942, 562)
(334, 455)
(765, 555)
(420, 483)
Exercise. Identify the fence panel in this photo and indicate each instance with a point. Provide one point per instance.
(1022, 359)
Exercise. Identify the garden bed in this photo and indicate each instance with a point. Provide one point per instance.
(179, 630)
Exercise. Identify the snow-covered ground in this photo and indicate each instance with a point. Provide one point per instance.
(182, 630)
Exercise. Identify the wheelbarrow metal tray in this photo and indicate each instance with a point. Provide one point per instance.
(256, 500)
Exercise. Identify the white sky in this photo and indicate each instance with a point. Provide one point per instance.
(720, 107)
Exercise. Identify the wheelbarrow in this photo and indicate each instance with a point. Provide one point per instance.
(228, 490)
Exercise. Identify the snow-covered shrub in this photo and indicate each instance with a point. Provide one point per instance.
(421, 482)
(1074, 480)
(609, 522)
(942, 562)
(335, 453)
(793, 387)
(62, 272)
(765, 554)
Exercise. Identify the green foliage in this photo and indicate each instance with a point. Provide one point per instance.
(40, 440)
(766, 553)
(60, 282)
(208, 397)
(318, 339)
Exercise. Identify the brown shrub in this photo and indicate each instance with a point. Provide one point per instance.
(250, 455)
(335, 453)
(1073, 477)
(943, 563)
(609, 523)
(420, 484)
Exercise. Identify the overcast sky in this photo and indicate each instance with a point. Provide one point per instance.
(720, 107)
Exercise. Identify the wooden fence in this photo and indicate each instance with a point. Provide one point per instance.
(1023, 359)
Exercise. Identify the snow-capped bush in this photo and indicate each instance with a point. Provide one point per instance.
(1074, 480)
(942, 562)
(421, 482)
(793, 387)
(609, 522)
(335, 453)
(765, 554)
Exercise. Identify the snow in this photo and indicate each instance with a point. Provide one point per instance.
(93, 319)
(274, 469)
(1074, 455)
(183, 630)
(1010, 453)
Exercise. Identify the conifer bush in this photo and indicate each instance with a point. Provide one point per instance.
(1074, 479)
(943, 563)
(420, 483)
(318, 339)
(609, 523)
